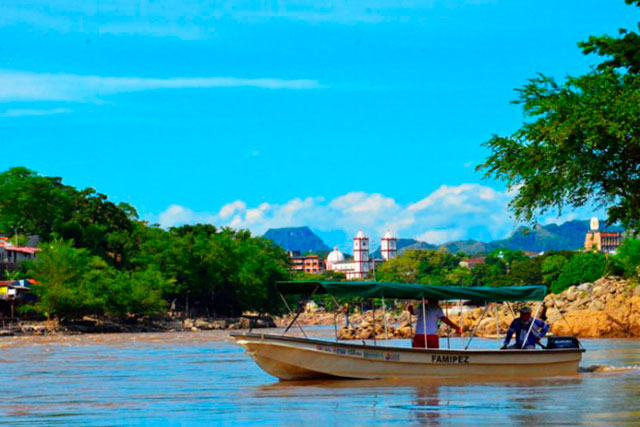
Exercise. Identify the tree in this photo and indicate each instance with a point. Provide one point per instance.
(580, 142)
(527, 271)
(62, 291)
(73, 283)
(628, 258)
(552, 267)
(44, 206)
(220, 271)
(420, 266)
(582, 267)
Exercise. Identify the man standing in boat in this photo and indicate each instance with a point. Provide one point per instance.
(520, 327)
(429, 315)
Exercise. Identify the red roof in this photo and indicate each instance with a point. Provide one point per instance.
(23, 249)
(4, 284)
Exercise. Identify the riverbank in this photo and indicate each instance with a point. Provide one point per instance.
(94, 325)
(607, 308)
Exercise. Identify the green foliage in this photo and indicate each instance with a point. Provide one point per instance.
(35, 204)
(73, 283)
(420, 266)
(328, 276)
(13, 275)
(580, 142)
(221, 271)
(552, 267)
(582, 267)
(627, 258)
(119, 266)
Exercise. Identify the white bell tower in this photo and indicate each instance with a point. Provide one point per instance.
(360, 255)
(388, 246)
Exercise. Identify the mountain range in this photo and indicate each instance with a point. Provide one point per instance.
(299, 239)
(552, 237)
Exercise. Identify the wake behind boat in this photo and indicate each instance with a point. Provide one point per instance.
(292, 358)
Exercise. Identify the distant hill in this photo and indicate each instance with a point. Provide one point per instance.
(300, 239)
(407, 244)
(552, 237)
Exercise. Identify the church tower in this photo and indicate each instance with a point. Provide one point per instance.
(389, 246)
(360, 255)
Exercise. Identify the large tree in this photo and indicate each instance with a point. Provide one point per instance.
(44, 206)
(580, 142)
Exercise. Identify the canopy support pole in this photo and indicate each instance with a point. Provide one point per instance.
(513, 313)
(497, 322)
(424, 324)
(291, 312)
(335, 316)
(384, 321)
(475, 329)
(300, 309)
(533, 322)
(446, 313)
(461, 321)
(373, 311)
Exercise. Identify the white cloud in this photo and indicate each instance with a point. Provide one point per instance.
(441, 236)
(449, 213)
(190, 20)
(177, 215)
(19, 112)
(28, 86)
(230, 208)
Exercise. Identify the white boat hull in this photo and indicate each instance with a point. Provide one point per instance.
(290, 358)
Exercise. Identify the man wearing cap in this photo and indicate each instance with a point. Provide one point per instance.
(520, 327)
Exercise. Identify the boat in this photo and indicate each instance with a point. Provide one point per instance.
(297, 358)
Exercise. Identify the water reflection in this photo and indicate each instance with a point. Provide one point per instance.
(427, 405)
(203, 378)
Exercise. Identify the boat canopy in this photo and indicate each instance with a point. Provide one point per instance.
(414, 291)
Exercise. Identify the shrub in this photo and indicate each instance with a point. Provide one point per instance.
(584, 267)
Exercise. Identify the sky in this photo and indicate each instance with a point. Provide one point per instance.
(339, 115)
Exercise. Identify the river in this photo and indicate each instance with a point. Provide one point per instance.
(202, 378)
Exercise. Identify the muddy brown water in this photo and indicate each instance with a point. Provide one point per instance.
(203, 378)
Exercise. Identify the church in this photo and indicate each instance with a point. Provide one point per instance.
(362, 265)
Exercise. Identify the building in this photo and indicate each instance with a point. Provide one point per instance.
(10, 254)
(601, 241)
(472, 262)
(388, 246)
(362, 265)
(307, 263)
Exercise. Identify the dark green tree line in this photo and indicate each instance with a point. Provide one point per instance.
(98, 258)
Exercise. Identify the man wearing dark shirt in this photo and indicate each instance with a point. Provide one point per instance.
(520, 327)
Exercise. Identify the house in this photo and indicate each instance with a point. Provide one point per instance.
(11, 254)
(470, 263)
(307, 263)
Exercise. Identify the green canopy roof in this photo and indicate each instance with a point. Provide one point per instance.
(415, 291)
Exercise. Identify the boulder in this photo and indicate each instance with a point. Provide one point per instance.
(585, 287)
(571, 293)
(596, 305)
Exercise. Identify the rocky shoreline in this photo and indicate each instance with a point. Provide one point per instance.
(607, 308)
(91, 325)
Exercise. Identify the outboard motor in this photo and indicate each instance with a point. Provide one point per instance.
(562, 342)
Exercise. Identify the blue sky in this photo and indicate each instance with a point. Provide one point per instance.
(333, 114)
